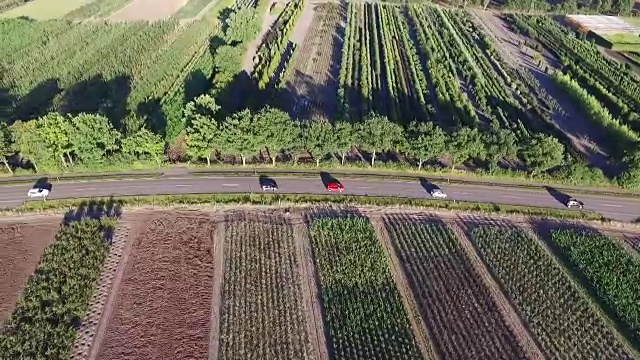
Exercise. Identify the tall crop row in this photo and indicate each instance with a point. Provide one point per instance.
(262, 312)
(611, 270)
(364, 314)
(462, 318)
(557, 311)
(43, 325)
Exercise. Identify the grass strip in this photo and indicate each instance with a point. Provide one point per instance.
(297, 199)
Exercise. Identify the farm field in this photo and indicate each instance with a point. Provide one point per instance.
(242, 282)
(129, 72)
(44, 10)
(21, 246)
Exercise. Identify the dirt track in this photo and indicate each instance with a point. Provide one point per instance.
(149, 10)
(163, 308)
(21, 246)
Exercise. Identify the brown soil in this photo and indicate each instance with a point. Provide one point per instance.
(163, 306)
(313, 80)
(148, 10)
(419, 330)
(310, 293)
(21, 246)
(218, 251)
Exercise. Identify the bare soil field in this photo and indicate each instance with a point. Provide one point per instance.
(585, 138)
(21, 245)
(149, 10)
(163, 304)
(313, 80)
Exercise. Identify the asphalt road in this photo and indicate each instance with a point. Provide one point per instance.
(618, 208)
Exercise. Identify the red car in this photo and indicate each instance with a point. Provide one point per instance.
(335, 187)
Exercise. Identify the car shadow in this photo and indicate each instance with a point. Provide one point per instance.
(427, 185)
(560, 197)
(267, 181)
(327, 178)
(43, 183)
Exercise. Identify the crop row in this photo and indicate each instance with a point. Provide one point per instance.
(364, 314)
(462, 318)
(262, 311)
(609, 268)
(43, 325)
(557, 311)
(276, 44)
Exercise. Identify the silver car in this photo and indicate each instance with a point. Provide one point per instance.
(438, 194)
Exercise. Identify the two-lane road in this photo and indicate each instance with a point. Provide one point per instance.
(618, 208)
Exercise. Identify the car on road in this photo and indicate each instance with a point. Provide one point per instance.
(437, 193)
(268, 184)
(335, 187)
(574, 203)
(38, 192)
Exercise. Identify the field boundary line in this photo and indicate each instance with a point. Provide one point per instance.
(310, 293)
(511, 317)
(420, 331)
(218, 276)
(117, 273)
(617, 327)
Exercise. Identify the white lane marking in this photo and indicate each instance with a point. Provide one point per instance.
(612, 205)
(462, 193)
(232, 185)
(511, 196)
(5, 201)
(365, 187)
(182, 185)
(79, 189)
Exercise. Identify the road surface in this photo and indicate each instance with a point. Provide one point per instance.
(617, 208)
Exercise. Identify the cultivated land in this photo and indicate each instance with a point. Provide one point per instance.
(320, 283)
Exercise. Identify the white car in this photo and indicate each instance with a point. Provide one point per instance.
(38, 192)
(269, 187)
(437, 193)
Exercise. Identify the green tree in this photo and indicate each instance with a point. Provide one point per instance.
(541, 153)
(92, 137)
(241, 135)
(465, 144)
(378, 134)
(28, 142)
(344, 139)
(142, 143)
(425, 141)
(6, 144)
(500, 144)
(319, 139)
(242, 25)
(55, 129)
(277, 131)
(203, 131)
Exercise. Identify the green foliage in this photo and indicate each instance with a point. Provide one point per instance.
(43, 325)
(609, 268)
(203, 133)
(363, 311)
(277, 130)
(241, 26)
(142, 144)
(426, 141)
(28, 142)
(542, 153)
(6, 145)
(92, 137)
(241, 135)
(345, 138)
(466, 144)
(319, 140)
(500, 144)
(55, 131)
(377, 133)
(545, 296)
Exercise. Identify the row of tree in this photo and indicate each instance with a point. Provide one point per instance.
(58, 141)
(246, 134)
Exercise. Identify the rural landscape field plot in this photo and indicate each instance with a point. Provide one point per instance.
(262, 315)
(461, 317)
(21, 245)
(363, 312)
(545, 297)
(163, 304)
(118, 70)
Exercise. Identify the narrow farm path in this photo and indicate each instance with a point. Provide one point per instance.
(310, 290)
(513, 321)
(94, 327)
(586, 138)
(267, 21)
(216, 298)
(417, 325)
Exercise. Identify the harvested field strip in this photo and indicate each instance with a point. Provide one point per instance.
(262, 314)
(163, 308)
(609, 269)
(558, 313)
(363, 312)
(457, 307)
